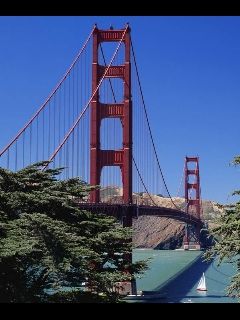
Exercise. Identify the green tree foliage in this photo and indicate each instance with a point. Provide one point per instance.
(227, 240)
(48, 245)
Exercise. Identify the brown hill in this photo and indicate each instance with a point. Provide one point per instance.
(158, 232)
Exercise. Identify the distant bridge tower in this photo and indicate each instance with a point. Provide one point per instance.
(193, 202)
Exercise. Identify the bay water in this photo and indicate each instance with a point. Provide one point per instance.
(175, 274)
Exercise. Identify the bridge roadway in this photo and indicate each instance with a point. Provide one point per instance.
(120, 211)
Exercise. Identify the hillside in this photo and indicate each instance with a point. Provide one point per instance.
(158, 232)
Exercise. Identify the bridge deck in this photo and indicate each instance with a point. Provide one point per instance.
(120, 210)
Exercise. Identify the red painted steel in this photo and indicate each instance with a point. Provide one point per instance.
(115, 110)
(109, 35)
(113, 72)
(93, 96)
(122, 110)
(193, 200)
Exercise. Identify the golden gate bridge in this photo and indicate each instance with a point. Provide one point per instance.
(95, 124)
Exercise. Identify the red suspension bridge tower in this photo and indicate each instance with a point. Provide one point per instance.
(193, 202)
(122, 110)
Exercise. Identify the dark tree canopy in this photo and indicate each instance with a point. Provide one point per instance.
(49, 247)
(227, 240)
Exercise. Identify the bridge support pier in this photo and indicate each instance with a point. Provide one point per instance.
(127, 222)
(192, 237)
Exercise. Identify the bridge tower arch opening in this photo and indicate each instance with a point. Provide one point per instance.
(193, 203)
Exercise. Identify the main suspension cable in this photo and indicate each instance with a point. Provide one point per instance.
(87, 105)
(49, 97)
(149, 128)
(115, 101)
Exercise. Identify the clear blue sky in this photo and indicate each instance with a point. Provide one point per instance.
(190, 71)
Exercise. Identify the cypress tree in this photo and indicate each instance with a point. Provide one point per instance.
(49, 247)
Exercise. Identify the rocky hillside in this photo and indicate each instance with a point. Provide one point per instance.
(158, 232)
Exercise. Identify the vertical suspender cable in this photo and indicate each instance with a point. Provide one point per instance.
(150, 132)
(87, 105)
(50, 96)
